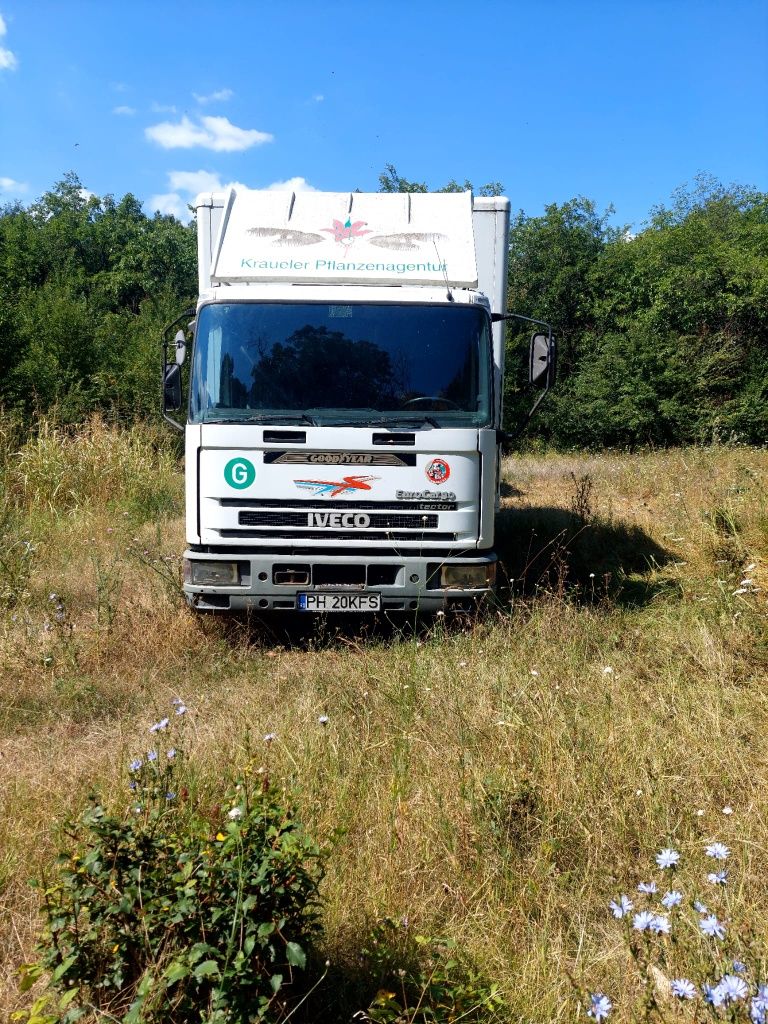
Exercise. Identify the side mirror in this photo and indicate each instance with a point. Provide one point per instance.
(180, 342)
(172, 388)
(541, 370)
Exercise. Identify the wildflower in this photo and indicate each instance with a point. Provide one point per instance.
(718, 877)
(739, 967)
(713, 994)
(323, 719)
(682, 988)
(670, 899)
(711, 926)
(220, 837)
(621, 907)
(660, 924)
(170, 796)
(608, 670)
(643, 920)
(132, 786)
(234, 814)
(171, 753)
(758, 1012)
(667, 858)
(647, 887)
(600, 1006)
(700, 813)
(270, 737)
(152, 755)
(53, 596)
(176, 701)
(159, 726)
(136, 764)
(181, 709)
(733, 988)
(718, 851)
(138, 809)
(727, 810)
(699, 907)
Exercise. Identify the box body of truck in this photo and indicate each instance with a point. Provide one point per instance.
(342, 438)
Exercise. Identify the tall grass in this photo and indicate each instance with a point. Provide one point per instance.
(496, 782)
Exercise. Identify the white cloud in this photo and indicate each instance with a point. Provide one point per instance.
(124, 111)
(220, 96)
(169, 203)
(292, 185)
(11, 186)
(186, 185)
(8, 60)
(162, 108)
(318, 97)
(216, 133)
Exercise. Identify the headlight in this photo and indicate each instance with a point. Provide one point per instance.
(211, 574)
(468, 577)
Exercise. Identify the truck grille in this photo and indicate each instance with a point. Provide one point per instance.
(326, 520)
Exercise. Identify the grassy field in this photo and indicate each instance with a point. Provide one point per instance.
(495, 782)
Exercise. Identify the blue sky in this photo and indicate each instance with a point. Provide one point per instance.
(618, 102)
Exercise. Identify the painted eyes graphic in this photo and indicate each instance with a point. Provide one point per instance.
(345, 234)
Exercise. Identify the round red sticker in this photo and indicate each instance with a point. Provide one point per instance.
(438, 471)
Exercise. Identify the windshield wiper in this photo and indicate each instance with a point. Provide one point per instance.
(388, 421)
(299, 417)
(400, 420)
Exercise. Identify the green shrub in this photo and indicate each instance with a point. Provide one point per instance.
(164, 913)
(424, 980)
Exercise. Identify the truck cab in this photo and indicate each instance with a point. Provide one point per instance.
(344, 411)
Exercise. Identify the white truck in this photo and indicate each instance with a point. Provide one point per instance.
(343, 426)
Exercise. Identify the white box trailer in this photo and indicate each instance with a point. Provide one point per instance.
(343, 421)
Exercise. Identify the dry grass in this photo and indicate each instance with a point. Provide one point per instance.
(493, 783)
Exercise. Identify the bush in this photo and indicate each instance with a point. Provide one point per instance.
(163, 913)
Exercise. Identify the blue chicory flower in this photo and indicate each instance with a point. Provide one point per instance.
(643, 920)
(667, 858)
(647, 887)
(159, 726)
(683, 988)
(699, 907)
(713, 994)
(660, 924)
(136, 764)
(622, 906)
(672, 899)
(718, 877)
(152, 755)
(600, 1006)
(758, 1011)
(733, 988)
(711, 926)
(718, 851)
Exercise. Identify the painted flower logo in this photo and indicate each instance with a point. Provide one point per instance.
(345, 233)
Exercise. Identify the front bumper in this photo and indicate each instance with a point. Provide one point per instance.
(271, 582)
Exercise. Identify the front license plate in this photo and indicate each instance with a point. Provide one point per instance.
(338, 602)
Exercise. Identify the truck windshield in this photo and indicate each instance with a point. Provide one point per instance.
(355, 363)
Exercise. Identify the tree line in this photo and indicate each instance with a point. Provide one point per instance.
(662, 334)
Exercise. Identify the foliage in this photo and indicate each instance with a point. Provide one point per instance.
(168, 911)
(424, 980)
(662, 334)
(85, 284)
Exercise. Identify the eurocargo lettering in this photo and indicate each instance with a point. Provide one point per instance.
(339, 385)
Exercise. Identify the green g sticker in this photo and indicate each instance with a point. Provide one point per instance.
(239, 473)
